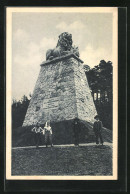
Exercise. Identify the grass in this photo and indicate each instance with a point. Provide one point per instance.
(84, 160)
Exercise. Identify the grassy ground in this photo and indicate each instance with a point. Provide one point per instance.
(87, 160)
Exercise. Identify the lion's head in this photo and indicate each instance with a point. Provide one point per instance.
(63, 47)
(65, 41)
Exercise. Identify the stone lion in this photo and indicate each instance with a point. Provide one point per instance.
(63, 47)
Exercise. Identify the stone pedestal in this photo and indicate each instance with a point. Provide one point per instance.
(61, 93)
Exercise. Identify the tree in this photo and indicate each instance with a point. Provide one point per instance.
(19, 109)
(100, 82)
(86, 68)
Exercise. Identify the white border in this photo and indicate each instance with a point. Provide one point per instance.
(9, 11)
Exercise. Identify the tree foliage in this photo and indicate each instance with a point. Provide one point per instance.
(100, 83)
(19, 109)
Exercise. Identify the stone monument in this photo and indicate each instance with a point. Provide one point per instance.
(61, 92)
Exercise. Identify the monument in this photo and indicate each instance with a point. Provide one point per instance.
(61, 92)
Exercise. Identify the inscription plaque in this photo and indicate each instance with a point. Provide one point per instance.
(51, 103)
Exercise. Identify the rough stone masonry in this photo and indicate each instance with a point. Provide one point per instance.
(61, 92)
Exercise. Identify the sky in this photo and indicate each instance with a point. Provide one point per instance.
(34, 33)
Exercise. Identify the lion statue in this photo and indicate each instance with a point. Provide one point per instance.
(63, 47)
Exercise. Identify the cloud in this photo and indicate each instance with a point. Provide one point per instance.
(25, 73)
(62, 26)
(78, 30)
(92, 56)
(20, 34)
(77, 25)
(26, 65)
(45, 44)
(29, 53)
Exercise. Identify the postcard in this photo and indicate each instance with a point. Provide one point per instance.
(61, 93)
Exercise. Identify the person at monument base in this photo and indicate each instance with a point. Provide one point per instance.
(48, 134)
(97, 127)
(76, 130)
(37, 129)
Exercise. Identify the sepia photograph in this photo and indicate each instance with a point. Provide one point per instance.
(61, 93)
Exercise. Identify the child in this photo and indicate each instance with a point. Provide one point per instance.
(37, 129)
(48, 133)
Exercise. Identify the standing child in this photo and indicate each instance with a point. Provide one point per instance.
(37, 129)
(48, 134)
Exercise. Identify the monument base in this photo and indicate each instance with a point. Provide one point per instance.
(61, 93)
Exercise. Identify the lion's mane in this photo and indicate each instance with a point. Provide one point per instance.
(64, 46)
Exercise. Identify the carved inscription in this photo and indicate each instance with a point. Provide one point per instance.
(51, 103)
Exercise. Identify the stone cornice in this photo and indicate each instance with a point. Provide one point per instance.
(61, 58)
